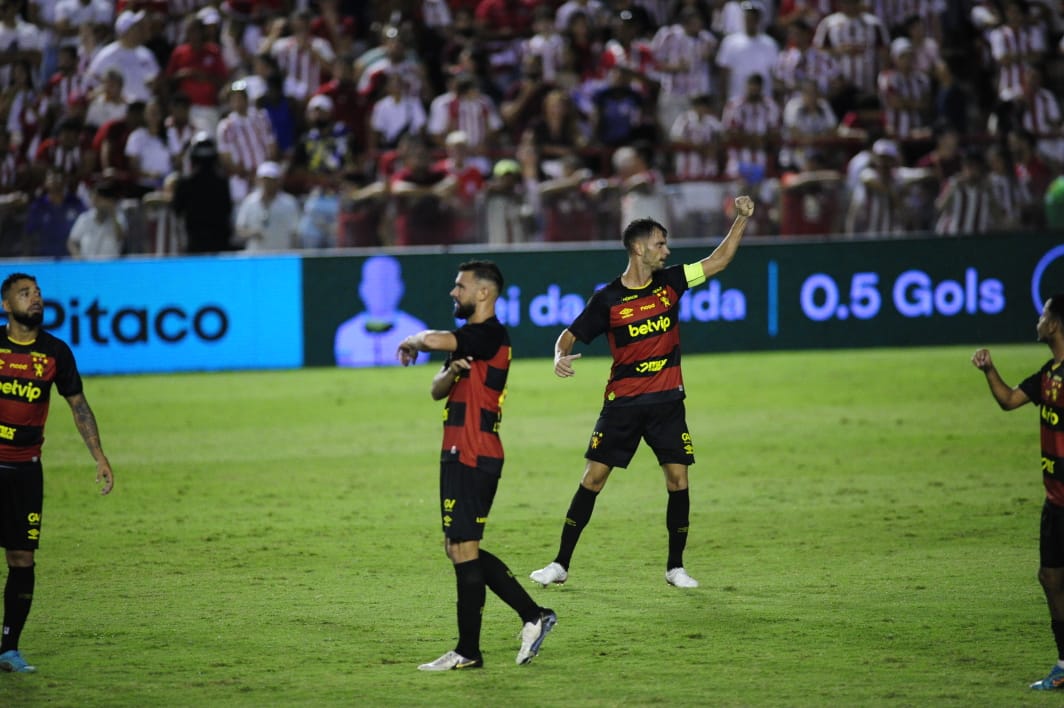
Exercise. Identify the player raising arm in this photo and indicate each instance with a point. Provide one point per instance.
(644, 400)
(1044, 388)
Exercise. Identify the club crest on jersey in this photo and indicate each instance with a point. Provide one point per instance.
(664, 297)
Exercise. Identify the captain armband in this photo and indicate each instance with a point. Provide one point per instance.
(694, 274)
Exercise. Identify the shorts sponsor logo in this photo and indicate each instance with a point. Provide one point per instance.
(1049, 465)
(688, 445)
(7, 432)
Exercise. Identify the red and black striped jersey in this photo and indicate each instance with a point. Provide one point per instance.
(474, 406)
(27, 372)
(642, 327)
(1046, 390)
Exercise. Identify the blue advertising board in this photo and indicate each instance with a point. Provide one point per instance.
(180, 314)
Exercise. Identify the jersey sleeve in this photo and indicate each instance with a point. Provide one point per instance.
(593, 321)
(479, 341)
(67, 378)
(1032, 386)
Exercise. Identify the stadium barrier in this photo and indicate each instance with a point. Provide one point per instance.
(144, 314)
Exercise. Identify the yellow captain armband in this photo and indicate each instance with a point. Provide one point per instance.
(694, 274)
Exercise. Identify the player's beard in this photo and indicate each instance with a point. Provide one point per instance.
(28, 319)
(464, 311)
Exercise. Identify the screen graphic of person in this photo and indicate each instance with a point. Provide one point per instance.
(370, 338)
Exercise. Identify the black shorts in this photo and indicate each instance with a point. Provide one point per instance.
(466, 494)
(620, 428)
(1051, 541)
(21, 495)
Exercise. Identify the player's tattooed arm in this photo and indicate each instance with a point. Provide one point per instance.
(85, 421)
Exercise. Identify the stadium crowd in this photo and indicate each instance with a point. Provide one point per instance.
(147, 126)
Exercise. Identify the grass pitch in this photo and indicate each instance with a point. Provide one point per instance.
(864, 525)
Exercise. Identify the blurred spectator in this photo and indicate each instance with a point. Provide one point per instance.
(619, 115)
(473, 113)
(20, 41)
(583, 48)
(179, 130)
(1015, 45)
(268, 218)
(557, 132)
(63, 85)
(807, 121)
(876, 204)
(569, 211)
(926, 51)
(507, 213)
(66, 154)
(240, 40)
(743, 54)
(146, 152)
(19, 106)
(952, 101)
(101, 231)
(1040, 115)
(71, 15)
(525, 99)
(202, 201)
(301, 56)
(811, 198)
(419, 192)
(109, 144)
(807, 12)
(684, 53)
(594, 12)
(944, 160)
(641, 187)
(858, 42)
(322, 161)
(967, 205)
(1012, 198)
(395, 114)
(109, 103)
(905, 94)
(547, 44)
(631, 56)
(752, 128)
(128, 55)
(245, 141)
(197, 69)
(696, 137)
(469, 182)
(51, 217)
(801, 61)
(349, 107)
(501, 25)
(283, 113)
(157, 39)
(1031, 171)
(391, 56)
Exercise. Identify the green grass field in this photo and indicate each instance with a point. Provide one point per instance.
(864, 525)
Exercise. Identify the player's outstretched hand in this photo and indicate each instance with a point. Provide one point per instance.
(563, 365)
(744, 206)
(105, 475)
(981, 360)
(408, 351)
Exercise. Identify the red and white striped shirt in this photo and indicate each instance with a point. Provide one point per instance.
(747, 118)
(67, 161)
(639, 57)
(696, 138)
(914, 89)
(855, 43)
(796, 65)
(248, 140)
(672, 45)
(1041, 114)
(967, 208)
(61, 87)
(1011, 47)
(300, 66)
(476, 117)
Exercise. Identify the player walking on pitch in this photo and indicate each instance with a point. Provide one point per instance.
(31, 361)
(1044, 388)
(639, 314)
(473, 380)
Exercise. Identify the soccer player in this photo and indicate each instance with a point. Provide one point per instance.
(639, 314)
(33, 360)
(473, 380)
(1043, 388)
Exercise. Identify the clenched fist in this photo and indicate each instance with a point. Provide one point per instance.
(744, 206)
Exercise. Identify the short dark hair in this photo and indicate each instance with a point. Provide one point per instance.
(10, 281)
(1056, 306)
(484, 270)
(640, 229)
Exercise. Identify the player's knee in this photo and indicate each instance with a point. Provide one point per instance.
(1052, 579)
(19, 559)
